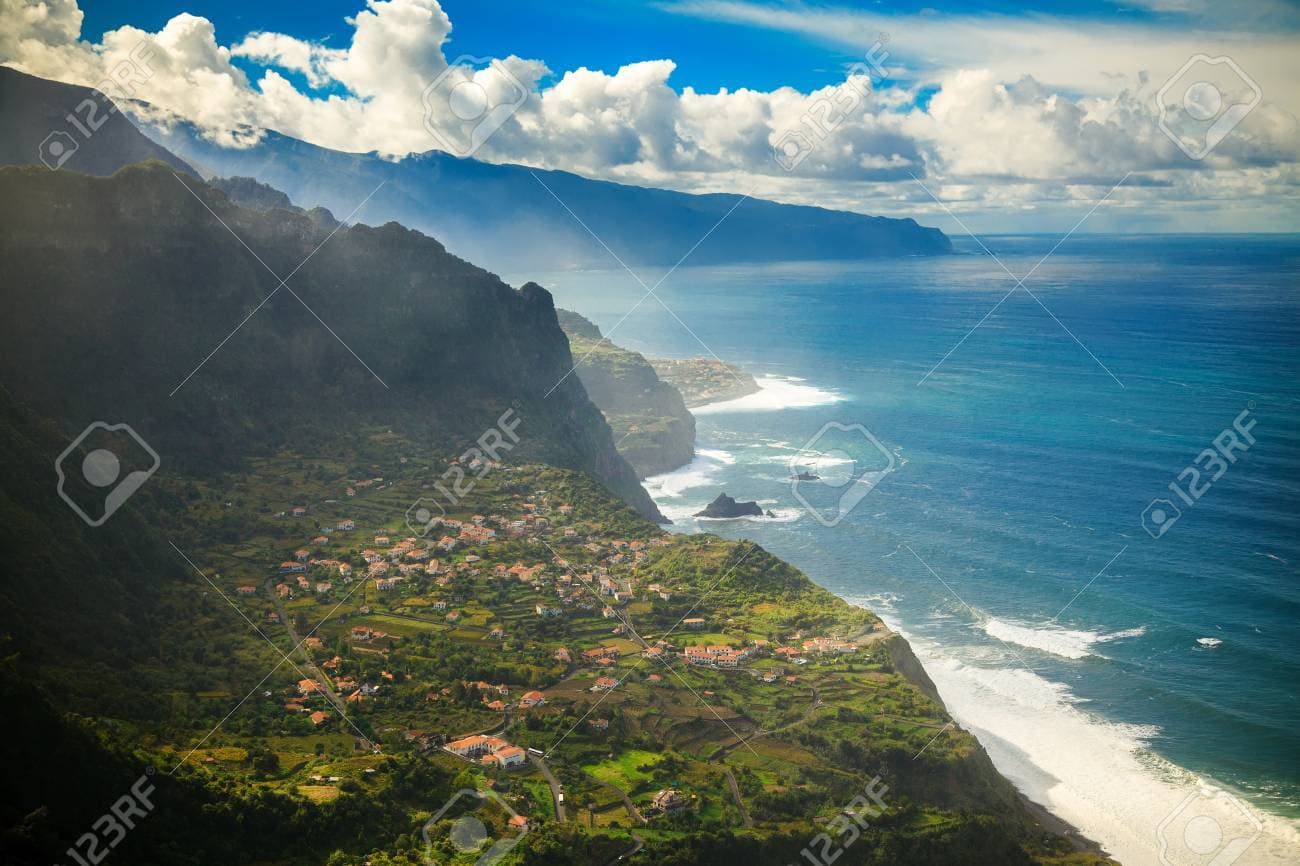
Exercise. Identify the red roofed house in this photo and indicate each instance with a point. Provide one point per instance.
(468, 747)
(510, 756)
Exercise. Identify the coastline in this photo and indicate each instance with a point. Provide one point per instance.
(781, 392)
(1090, 774)
(774, 393)
(1079, 775)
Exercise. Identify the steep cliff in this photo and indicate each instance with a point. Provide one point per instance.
(652, 427)
(134, 298)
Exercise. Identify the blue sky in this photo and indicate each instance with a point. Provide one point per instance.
(602, 34)
(982, 112)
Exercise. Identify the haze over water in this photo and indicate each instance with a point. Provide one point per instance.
(1007, 540)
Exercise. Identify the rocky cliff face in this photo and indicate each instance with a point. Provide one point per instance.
(120, 287)
(652, 427)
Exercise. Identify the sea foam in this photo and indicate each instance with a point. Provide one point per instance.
(774, 392)
(1054, 639)
(1096, 774)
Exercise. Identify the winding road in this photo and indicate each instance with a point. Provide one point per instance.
(553, 782)
(627, 802)
(637, 844)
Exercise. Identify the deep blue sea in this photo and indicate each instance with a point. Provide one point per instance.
(995, 512)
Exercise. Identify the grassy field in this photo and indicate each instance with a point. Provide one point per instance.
(628, 770)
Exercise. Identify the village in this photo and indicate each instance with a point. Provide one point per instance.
(549, 651)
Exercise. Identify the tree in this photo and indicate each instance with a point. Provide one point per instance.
(264, 761)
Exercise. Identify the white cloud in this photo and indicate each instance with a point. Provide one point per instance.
(1023, 115)
(288, 52)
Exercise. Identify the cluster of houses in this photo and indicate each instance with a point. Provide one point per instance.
(310, 695)
(529, 700)
(585, 590)
(605, 582)
(389, 563)
(488, 750)
(713, 656)
(717, 656)
(826, 645)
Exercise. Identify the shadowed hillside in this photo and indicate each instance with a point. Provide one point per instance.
(119, 288)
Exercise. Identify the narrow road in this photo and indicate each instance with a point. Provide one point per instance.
(735, 795)
(637, 844)
(310, 666)
(495, 728)
(627, 802)
(553, 782)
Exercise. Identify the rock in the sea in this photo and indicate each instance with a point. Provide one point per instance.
(725, 506)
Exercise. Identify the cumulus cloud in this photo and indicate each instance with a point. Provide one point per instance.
(987, 137)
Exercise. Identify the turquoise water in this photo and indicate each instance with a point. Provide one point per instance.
(1001, 523)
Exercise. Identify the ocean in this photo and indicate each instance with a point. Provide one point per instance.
(990, 471)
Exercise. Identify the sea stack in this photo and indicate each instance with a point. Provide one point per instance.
(724, 506)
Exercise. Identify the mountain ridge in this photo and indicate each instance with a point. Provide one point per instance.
(550, 215)
(39, 112)
(168, 275)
